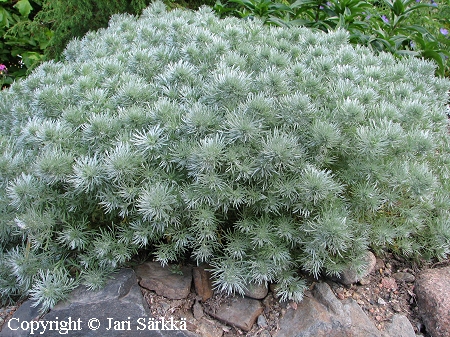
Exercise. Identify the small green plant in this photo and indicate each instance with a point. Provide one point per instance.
(260, 150)
(176, 269)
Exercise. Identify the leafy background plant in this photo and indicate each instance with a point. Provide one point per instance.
(401, 27)
(261, 150)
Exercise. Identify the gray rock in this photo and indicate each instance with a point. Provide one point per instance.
(256, 290)
(349, 276)
(323, 293)
(432, 288)
(402, 276)
(323, 315)
(262, 323)
(240, 312)
(164, 281)
(399, 327)
(118, 310)
(202, 282)
(25, 313)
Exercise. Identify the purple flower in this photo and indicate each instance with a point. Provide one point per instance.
(443, 31)
(385, 19)
(417, 0)
(413, 45)
(2, 67)
(433, 3)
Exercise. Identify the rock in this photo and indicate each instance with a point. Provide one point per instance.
(349, 276)
(25, 313)
(381, 301)
(389, 283)
(323, 293)
(119, 305)
(402, 276)
(379, 264)
(164, 281)
(399, 327)
(432, 288)
(197, 310)
(202, 282)
(207, 328)
(256, 290)
(323, 315)
(262, 323)
(240, 312)
(265, 333)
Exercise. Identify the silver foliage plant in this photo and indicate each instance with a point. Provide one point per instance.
(262, 151)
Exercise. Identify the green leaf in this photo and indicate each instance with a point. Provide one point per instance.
(406, 53)
(398, 7)
(24, 7)
(437, 57)
(4, 22)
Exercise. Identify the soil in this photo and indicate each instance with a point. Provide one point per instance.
(381, 294)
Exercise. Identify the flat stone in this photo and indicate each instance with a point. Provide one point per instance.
(432, 288)
(206, 328)
(256, 290)
(349, 276)
(399, 327)
(164, 281)
(323, 315)
(117, 310)
(402, 276)
(202, 282)
(240, 312)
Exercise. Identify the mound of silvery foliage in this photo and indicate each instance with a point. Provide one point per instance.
(262, 151)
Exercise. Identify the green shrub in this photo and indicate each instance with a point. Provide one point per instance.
(74, 18)
(261, 150)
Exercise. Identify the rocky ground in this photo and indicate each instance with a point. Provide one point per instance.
(387, 290)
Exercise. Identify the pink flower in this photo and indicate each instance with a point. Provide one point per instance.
(2, 68)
